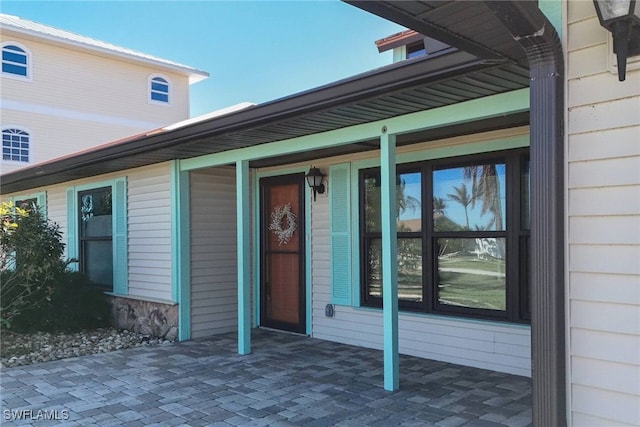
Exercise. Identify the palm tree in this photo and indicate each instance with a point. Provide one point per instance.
(485, 187)
(463, 197)
(439, 205)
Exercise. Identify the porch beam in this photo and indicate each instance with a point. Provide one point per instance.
(389, 261)
(482, 108)
(243, 228)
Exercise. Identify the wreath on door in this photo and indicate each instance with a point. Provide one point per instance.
(283, 223)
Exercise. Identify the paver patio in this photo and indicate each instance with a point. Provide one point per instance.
(287, 380)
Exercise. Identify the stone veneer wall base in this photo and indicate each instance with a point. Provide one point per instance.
(146, 317)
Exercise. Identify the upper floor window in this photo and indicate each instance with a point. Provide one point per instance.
(416, 49)
(15, 60)
(159, 89)
(15, 145)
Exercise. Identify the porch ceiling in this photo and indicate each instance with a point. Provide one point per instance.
(484, 61)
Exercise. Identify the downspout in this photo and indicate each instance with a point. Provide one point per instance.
(538, 38)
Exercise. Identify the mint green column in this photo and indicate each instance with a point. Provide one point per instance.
(181, 248)
(244, 256)
(389, 261)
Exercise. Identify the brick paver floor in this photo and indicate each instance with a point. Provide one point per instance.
(288, 380)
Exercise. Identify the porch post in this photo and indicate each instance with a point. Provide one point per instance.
(181, 248)
(389, 261)
(244, 256)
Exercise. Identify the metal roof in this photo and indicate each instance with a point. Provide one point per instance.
(452, 76)
(25, 27)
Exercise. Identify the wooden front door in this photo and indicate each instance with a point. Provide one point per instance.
(282, 253)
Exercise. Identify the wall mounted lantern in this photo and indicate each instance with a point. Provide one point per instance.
(622, 19)
(314, 179)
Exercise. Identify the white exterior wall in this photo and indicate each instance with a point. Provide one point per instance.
(603, 229)
(214, 289)
(148, 222)
(149, 232)
(75, 100)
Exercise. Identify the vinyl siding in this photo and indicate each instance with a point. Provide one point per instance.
(214, 296)
(489, 345)
(149, 232)
(98, 100)
(603, 181)
(149, 226)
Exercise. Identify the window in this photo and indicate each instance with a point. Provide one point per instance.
(159, 90)
(463, 236)
(15, 60)
(15, 145)
(97, 232)
(95, 235)
(416, 49)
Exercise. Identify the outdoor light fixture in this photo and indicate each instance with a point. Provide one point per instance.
(314, 179)
(622, 18)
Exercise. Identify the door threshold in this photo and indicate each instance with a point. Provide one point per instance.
(299, 334)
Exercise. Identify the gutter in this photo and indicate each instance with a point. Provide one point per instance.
(535, 34)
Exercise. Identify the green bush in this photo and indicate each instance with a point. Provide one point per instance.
(75, 304)
(37, 292)
(31, 249)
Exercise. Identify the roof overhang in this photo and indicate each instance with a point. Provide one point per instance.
(471, 69)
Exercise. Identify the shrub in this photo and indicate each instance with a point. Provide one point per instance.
(75, 304)
(31, 256)
(37, 292)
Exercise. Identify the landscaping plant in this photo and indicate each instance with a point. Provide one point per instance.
(37, 291)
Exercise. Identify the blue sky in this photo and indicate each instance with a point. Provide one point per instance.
(255, 51)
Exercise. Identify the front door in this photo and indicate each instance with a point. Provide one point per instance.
(282, 253)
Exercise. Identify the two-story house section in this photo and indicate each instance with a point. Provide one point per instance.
(63, 92)
(410, 44)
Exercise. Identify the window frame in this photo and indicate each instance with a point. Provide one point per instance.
(119, 229)
(16, 130)
(517, 304)
(83, 239)
(27, 65)
(415, 50)
(151, 91)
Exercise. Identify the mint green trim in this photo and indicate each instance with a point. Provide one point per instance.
(482, 108)
(119, 230)
(119, 236)
(389, 262)
(72, 228)
(243, 229)
(340, 234)
(40, 196)
(553, 11)
(181, 248)
(355, 234)
(399, 53)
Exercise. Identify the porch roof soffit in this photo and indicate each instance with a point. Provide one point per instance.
(452, 76)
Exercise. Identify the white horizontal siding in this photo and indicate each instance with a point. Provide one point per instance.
(603, 181)
(488, 345)
(214, 300)
(149, 232)
(86, 98)
(148, 222)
